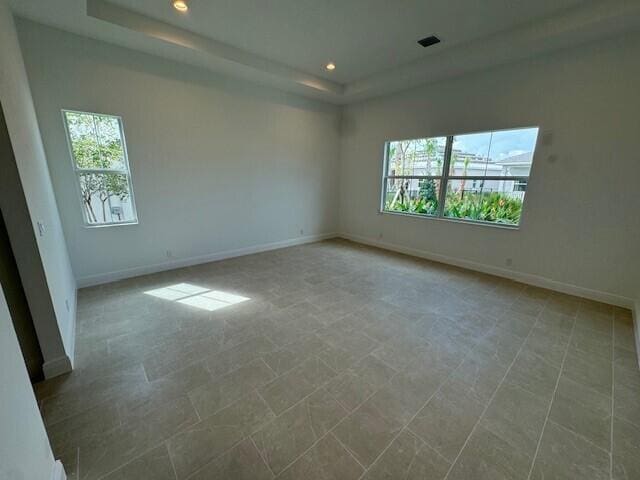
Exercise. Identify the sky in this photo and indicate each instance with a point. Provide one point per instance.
(499, 144)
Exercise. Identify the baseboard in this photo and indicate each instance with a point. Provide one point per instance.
(57, 366)
(636, 327)
(528, 278)
(58, 472)
(108, 277)
(71, 332)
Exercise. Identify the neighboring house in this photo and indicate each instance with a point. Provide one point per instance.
(477, 166)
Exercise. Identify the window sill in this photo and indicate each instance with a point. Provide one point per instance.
(115, 224)
(501, 226)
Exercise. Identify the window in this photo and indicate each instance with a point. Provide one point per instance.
(101, 167)
(479, 177)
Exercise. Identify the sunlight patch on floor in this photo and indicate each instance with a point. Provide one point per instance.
(196, 296)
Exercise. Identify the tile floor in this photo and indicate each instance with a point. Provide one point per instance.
(344, 362)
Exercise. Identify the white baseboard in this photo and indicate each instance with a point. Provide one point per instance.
(58, 472)
(527, 278)
(108, 277)
(636, 328)
(57, 366)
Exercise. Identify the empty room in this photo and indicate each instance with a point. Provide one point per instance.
(319, 240)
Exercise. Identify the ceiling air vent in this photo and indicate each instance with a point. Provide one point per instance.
(428, 41)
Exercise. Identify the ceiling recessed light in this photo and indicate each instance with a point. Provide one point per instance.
(331, 66)
(180, 5)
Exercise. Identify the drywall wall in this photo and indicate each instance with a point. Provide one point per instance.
(25, 453)
(27, 198)
(217, 165)
(580, 223)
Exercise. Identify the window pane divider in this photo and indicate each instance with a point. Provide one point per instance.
(442, 195)
(482, 177)
(413, 177)
(100, 170)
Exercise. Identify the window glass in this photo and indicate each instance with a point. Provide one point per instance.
(102, 171)
(485, 181)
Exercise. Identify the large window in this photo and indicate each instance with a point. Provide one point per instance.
(101, 167)
(478, 177)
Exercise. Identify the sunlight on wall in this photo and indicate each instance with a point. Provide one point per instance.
(196, 296)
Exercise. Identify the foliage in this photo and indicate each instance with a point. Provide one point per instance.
(428, 190)
(403, 155)
(418, 205)
(488, 207)
(97, 145)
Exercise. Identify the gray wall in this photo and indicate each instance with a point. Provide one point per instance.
(26, 196)
(217, 165)
(580, 230)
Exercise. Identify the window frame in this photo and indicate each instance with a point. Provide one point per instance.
(445, 177)
(77, 171)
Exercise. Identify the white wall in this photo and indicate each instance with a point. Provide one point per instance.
(45, 267)
(25, 453)
(217, 165)
(580, 225)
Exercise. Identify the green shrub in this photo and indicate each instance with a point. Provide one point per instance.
(488, 207)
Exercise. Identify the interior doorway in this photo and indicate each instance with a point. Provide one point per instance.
(15, 295)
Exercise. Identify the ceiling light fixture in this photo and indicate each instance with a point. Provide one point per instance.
(331, 66)
(180, 5)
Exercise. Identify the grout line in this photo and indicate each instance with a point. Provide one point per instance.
(265, 402)
(586, 440)
(553, 397)
(428, 445)
(484, 411)
(193, 406)
(140, 455)
(253, 442)
(346, 449)
(175, 472)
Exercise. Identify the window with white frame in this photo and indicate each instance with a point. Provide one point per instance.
(101, 167)
(477, 177)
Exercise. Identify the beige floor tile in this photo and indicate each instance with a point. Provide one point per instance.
(590, 370)
(408, 458)
(106, 452)
(583, 411)
(480, 375)
(154, 464)
(350, 389)
(290, 388)
(534, 374)
(213, 436)
(287, 437)
(626, 405)
(232, 358)
(486, 456)
(626, 450)
(327, 460)
(565, 455)
(212, 396)
(368, 431)
(447, 420)
(517, 417)
(243, 462)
